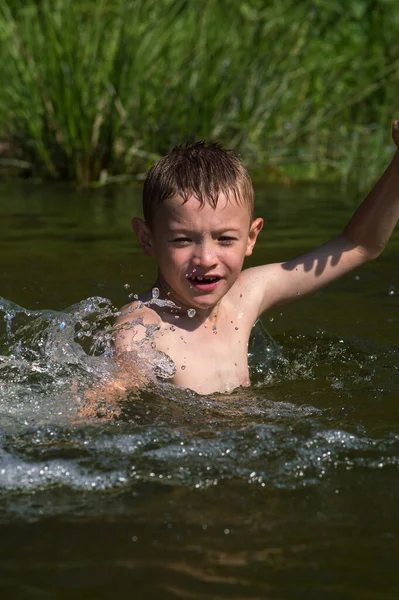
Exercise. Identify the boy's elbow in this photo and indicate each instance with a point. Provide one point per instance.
(366, 252)
(376, 252)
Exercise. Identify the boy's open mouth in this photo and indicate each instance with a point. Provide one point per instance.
(204, 282)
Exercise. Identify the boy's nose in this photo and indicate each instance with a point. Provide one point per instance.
(205, 256)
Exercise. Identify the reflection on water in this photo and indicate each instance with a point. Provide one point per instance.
(285, 490)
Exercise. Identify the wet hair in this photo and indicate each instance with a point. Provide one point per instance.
(201, 170)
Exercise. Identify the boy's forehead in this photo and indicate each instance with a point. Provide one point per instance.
(178, 207)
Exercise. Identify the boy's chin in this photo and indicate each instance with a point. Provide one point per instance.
(204, 303)
(199, 303)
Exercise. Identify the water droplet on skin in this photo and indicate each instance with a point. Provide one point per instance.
(172, 328)
(126, 286)
(240, 295)
(214, 329)
(135, 296)
(191, 312)
(155, 292)
(153, 345)
(298, 293)
(183, 367)
(236, 328)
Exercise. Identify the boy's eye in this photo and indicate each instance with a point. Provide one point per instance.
(181, 240)
(226, 240)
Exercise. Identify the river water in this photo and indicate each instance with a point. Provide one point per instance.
(289, 489)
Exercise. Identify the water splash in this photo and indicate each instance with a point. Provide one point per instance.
(275, 435)
(157, 301)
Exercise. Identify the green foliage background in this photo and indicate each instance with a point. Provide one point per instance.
(95, 90)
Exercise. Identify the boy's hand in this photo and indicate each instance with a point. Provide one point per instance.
(104, 400)
(395, 132)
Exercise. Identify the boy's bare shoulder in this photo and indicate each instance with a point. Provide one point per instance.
(255, 291)
(133, 311)
(246, 287)
(132, 323)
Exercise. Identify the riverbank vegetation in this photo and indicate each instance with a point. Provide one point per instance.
(93, 91)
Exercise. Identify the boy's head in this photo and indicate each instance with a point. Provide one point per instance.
(198, 209)
(200, 170)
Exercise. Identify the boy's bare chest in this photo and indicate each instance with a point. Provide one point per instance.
(208, 358)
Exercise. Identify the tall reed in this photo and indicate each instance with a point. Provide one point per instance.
(98, 88)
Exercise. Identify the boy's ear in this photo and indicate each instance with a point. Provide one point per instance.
(143, 235)
(254, 231)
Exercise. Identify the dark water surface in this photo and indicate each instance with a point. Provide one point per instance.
(287, 490)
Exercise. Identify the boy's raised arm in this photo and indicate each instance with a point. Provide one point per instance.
(374, 221)
(362, 240)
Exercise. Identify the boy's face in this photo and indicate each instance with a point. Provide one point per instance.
(199, 250)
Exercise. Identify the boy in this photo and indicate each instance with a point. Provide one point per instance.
(193, 328)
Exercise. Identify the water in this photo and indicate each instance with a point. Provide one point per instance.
(285, 490)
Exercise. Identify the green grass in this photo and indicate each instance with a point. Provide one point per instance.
(93, 91)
